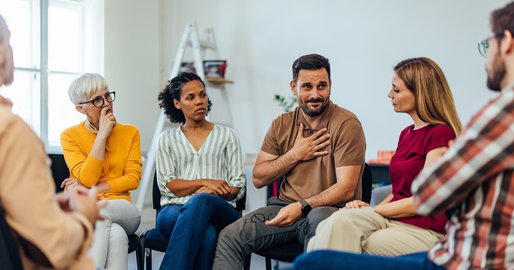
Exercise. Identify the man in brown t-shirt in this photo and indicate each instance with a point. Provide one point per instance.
(319, 149)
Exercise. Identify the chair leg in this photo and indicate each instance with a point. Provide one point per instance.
(139, 258)
(148, 258)
(277, 266)
(248, 260)
(268, 263)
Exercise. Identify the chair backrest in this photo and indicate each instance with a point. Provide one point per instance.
(156, 197)
(59, 169)
(366, 182)
(156, 194)
(9, 256)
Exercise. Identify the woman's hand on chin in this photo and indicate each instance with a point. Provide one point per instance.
(106, 122)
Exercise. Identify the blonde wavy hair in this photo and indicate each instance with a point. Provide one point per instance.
(433, 97)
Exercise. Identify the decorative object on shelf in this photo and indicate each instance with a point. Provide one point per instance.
(187, 67)
(383, 157)
(287, 103)
(214, 68)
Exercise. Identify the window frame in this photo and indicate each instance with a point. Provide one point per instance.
(92, 26)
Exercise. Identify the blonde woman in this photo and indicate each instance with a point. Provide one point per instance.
(102, 153)
(419, 89)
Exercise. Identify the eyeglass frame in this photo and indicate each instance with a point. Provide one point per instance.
(483, 45)
(102, 98)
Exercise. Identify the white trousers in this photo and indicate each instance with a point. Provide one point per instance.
(365, 231)
(110, 241)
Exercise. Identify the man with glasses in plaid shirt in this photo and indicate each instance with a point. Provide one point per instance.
(473, 182)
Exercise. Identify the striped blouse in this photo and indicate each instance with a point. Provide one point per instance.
(219, 157)
(474, 184)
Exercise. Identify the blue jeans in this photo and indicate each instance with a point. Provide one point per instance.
(330, 259)
(193, 229)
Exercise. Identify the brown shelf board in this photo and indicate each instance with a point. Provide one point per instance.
(218, 80)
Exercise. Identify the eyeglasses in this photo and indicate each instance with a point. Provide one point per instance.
(484, 44)
(100, 101)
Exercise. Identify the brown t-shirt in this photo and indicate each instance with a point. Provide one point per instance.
(308, 178)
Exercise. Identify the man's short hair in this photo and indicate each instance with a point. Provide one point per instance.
(502, 19)
(311, 62)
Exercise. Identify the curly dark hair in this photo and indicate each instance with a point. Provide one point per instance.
(172, 91)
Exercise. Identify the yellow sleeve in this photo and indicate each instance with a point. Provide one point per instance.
(82, 166)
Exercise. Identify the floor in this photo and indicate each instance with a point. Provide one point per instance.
(256, 264)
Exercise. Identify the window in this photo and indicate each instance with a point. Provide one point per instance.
(53, 41)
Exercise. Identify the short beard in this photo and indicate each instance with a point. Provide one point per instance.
(497, 74)
(310, 112)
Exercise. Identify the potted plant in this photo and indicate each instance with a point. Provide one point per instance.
(287, 103)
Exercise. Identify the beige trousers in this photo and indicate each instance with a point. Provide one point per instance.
(363, 230)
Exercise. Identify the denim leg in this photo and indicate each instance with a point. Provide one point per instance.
(188, 234)
(205, 256)
(167, 218)
(317, 260)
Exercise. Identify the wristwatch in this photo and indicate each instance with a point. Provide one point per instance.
(306, 207)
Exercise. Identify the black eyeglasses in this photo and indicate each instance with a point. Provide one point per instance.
(484, 44)
(100, 101)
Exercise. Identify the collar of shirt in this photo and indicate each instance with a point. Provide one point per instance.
(325, 117)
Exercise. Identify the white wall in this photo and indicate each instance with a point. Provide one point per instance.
(260, 39)
(133, 61)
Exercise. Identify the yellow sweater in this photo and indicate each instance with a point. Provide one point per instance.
(121, 167)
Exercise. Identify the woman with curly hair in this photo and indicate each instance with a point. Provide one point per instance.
(200, 175)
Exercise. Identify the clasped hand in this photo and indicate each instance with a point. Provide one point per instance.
(307, 148)
(83, 201)
(215, 187)
(357, 204)
(71, 183)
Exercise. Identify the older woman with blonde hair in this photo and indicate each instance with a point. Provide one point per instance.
(102, 153)
(419, 89)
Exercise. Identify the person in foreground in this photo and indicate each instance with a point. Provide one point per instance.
(471, 182)
(104, 154)
(319, 148)
(51, 231)
(200, 175)
(419, 89)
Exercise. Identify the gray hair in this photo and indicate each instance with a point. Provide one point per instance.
(85, 86)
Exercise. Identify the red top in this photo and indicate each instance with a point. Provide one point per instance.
(408, 161)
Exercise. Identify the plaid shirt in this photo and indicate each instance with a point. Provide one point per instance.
(474, 183)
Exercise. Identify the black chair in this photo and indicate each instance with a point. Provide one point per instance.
(289, 251)
(60, 172)
(153, 239)
(9, 255)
